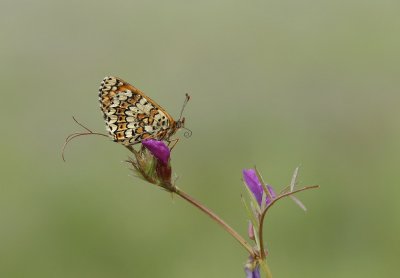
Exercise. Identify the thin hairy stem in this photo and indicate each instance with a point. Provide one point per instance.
(265, 268)
(217, 219)
(262, 216)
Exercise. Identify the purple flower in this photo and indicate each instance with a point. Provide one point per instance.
(158, 149)
(255, 273)
(253, 183)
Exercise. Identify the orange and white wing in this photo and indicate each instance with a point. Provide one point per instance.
(130, 115)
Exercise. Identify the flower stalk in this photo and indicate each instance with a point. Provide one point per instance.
(217, 219)
(262, 198)
(265, 268)
(152, 163)
(262, 216)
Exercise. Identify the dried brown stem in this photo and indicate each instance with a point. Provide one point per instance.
(217, 219)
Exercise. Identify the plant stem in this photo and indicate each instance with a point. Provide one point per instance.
(265, 268)
(217, 219)
(262, 216)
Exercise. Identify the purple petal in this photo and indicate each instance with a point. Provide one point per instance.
(158, 149)
(252, 182)
(255, 273)
(255, 186)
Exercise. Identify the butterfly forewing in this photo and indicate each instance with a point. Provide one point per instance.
(130, 115)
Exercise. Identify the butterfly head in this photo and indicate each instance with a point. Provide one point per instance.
(181, 122)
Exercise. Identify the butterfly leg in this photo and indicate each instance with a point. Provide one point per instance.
(173, 143)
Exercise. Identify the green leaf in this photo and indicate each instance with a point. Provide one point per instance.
(253, 219)
(250, 213)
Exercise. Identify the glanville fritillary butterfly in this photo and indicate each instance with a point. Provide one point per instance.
(131, 116)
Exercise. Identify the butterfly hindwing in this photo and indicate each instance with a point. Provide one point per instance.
(130, 115)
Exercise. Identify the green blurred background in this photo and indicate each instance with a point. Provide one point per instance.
(275, 84)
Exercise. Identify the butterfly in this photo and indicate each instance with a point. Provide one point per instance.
(131, 116)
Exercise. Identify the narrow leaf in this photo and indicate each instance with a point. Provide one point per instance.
(298, 202)
(294, 179)
(253, 199)
(264, 185)
(263, 201)
(249, 212)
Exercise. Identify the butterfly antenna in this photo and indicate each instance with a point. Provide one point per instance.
(188, 133)
(187, 98)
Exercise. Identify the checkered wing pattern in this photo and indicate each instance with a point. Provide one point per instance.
(130, 115)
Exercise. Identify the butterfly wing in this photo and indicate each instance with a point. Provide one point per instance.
(130, 115)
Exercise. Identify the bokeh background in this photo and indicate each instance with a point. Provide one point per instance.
(275, 84)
